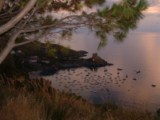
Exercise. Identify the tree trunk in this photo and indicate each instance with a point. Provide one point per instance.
(5, 52)
(10, 24)
(9, 47)
(1, 4)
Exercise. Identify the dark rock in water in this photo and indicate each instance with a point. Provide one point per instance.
(69, 65)
(134, 79)
(82, 52)
(158, 112)
(119, 69)
(96, 61)
(153, 85)
(48, 71)
(126, 76)
(92, 63)
(137, 72)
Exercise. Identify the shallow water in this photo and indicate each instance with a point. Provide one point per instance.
(138, 84)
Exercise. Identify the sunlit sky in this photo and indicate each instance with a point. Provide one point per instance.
(153, 9)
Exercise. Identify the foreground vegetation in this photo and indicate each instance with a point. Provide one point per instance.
(24, 99)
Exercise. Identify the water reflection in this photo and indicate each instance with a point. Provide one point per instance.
(139, 52)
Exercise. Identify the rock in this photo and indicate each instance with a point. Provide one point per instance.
(119, 69)
(48, 71)
(37, 58)
(153, 85)
(96, 61)
(158, 112)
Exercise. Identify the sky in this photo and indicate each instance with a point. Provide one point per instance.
(151, 21)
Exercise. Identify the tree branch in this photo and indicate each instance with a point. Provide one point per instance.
(24, 43)
(61, 24)
(9, 47)
(10, 24)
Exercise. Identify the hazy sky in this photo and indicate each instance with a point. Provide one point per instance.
(151, 20)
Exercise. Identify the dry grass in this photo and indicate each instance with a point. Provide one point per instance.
(22, 99)
(21, 108)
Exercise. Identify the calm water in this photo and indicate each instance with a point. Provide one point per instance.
(140, 51)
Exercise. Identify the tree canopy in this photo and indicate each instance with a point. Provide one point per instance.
(23, 21)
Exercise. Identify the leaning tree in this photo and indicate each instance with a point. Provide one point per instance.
(24, 21)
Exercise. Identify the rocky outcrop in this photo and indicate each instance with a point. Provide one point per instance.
(92, 63)
(64, 58)
(96, 61)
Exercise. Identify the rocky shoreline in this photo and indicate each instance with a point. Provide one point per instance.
(48, 59)
(92, 63)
